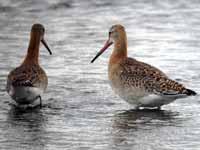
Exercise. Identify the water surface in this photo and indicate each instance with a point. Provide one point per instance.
(80, 110)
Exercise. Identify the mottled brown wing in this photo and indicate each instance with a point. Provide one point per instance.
(153, 80)
(25, 76)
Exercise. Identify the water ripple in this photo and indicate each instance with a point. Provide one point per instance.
(80, 109)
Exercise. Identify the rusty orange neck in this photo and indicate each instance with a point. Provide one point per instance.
(33, 49)
(120, 50)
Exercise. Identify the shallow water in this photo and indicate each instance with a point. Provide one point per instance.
(80, 110)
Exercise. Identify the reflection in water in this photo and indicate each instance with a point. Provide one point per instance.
(25, 128)
(135, 123)
(79, 102)
(132, 118)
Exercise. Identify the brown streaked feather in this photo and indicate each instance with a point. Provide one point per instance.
(132, 66)
(139, 74)
(27, 75)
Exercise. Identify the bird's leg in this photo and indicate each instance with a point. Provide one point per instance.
(40, 101)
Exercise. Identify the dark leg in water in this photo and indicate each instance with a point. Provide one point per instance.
(40, 101)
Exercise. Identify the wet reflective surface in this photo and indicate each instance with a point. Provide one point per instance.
(80, 110)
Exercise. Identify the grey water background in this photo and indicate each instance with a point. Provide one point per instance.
(80, 110)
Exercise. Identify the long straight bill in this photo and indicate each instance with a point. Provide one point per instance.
(107, 44)
(47, 47)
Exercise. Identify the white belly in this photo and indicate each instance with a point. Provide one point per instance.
(25, 95)
(140, 98)
(153, 100)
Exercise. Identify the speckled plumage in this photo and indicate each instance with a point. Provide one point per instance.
(139, 74)
(138, 83)
(28, 75)
(134, 81)
(27, 82)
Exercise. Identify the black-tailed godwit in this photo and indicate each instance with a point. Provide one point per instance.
(27, 82)
(138, 83)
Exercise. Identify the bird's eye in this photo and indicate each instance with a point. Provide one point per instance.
(110, 33)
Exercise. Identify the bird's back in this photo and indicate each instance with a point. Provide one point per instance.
(28, 76)
(131, 78)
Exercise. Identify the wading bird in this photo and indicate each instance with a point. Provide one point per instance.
(27, 82)
(138, 83)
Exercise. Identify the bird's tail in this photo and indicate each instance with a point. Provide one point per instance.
(190, 92)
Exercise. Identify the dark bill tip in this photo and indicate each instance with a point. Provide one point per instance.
(107, 44)
(98, 54)
(47, 47)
